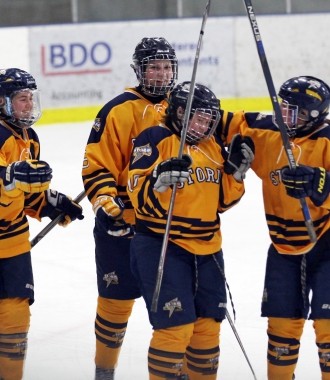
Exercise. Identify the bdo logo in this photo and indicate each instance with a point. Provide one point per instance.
(76, 58)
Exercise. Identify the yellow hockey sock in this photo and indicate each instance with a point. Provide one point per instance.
(283, 347)
(202, 354)
(166, 351)
(110, 328)
(14, 326)
(322, 332)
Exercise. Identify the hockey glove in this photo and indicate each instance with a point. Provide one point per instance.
(169, 172)
(30, 176)
(58, 203)
(305, 181)
(240, 156)
(109, 211)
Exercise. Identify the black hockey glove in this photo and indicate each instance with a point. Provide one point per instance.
(169, 172)
(305, 181)
(109, 211)
(58, 203)
(30, 176)
(240, 156)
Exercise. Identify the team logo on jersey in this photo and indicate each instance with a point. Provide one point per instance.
(172, 306)
(111, 278)
(141, 151)
(97, 124)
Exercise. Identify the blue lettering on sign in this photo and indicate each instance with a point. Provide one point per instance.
(79, 55)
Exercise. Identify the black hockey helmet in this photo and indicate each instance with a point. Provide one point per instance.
(204, 101)
(13, 81)
(311, 97)
(151, 49)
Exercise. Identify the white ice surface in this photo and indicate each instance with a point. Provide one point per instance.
(61, 337)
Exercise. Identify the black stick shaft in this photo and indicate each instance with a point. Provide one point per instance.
(277, 111)
(53, 223)
(160, 272)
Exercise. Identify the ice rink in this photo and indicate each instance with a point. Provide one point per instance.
(61, 338)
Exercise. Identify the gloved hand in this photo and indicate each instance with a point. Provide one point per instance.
(30, 176)
(305, 181)
(58, 203)
(169, 172)
(109, 211)
(240, 156)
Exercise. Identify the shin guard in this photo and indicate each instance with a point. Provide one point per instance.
(283, 347)
(322, 332)
(14, 326)
(166, 352)
(202, 354)
(110, 328)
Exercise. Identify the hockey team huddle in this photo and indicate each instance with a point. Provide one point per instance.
(154, 154)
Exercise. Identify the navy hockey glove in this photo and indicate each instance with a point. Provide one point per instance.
(240, 156)
(169, 172)
(109, 212)
(305, 181)
(30, 176)
(58, 203)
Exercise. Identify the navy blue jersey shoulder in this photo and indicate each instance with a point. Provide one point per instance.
(258, 120)
(116, 101)
(4, 135)
(153, 135)
(101, 117)
(145, 145)
(321, 133)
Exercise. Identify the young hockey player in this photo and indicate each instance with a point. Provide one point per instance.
(192, 297)
(295, 266)
(104, 175)
(24, 191)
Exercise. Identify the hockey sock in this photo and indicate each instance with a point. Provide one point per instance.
(166, 352)
(322, 331)
(14, 326)
(283, 347)
(202, 354)
(110, 328)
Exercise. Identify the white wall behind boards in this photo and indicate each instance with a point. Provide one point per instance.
(86, 64)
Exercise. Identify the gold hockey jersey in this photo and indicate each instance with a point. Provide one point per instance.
(110, 143)
(195, 223)
(15, 205)
(283, 214)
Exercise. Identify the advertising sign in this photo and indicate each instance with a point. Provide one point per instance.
(88, 64)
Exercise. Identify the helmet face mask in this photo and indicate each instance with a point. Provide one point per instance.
(155, 66)
(311, 97)
(204, 114)
(19, 98)
(202, 125)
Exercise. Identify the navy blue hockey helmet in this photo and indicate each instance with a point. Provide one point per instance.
(311, 96)
(204, 102)
(12, 82)
(151, 49)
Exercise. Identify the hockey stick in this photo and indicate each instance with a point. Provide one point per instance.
(277, 111)
(160, 272)
(54, 222)
(240, 342)
(232, 325)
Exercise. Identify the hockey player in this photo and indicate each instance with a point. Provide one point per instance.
(305, 102)
(104, 175)
(24, 191)
(192, 298)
